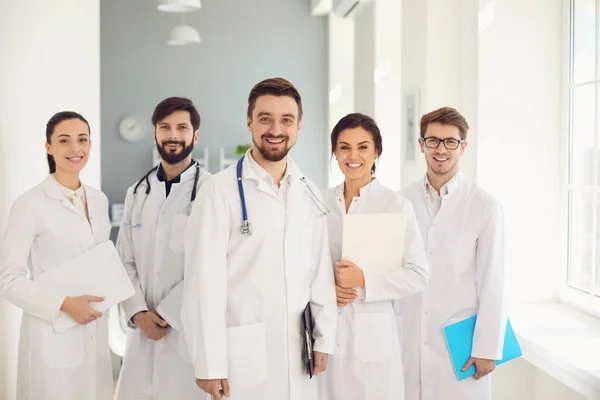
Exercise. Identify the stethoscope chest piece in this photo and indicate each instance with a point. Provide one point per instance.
(245, 229)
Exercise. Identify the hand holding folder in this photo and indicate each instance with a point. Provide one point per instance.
(459, 337)
(308, 354)
(97, 272)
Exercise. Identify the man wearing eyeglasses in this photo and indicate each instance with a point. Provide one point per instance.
(463, 232)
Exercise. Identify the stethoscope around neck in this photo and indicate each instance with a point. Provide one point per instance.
(246, 227)
(146, 178)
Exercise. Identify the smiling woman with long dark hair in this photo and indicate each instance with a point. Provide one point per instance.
(367, 363)
(49, 225)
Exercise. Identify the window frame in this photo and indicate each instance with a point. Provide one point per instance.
(582, 300)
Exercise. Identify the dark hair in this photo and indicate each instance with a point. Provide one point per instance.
(356, 120)
(274, 87)
(445, 116)
(170, 105)
(51, 124)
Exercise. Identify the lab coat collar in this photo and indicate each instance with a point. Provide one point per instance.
(450, 187)
(54, 191)
(373, 185)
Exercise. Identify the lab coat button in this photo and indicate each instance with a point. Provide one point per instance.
(426, 343)
(340, 313)
(431, 253)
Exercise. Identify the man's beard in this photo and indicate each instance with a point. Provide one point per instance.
(174, 158)
(273, 156)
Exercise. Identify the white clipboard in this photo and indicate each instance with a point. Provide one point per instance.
(374, 241)
(95, 272)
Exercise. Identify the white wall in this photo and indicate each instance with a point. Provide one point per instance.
(519, 149)
(386, 77)
(341, 81)
(414, 76)
(378, 88)
(50, 62)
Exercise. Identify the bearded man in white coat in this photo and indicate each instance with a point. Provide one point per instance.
(157, 365)
(463, 231)
(257, 253)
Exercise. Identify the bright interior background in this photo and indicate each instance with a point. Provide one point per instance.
(526, 82)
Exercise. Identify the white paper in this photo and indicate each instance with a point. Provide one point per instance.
(374, 241)
(96, 272)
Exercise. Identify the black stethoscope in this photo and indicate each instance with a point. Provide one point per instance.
(146, 178)
(246, 228)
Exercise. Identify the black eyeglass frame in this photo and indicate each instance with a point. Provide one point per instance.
(460, 141)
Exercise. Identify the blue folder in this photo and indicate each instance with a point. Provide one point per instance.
(459, 337)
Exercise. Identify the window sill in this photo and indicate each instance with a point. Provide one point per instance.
(563, 342)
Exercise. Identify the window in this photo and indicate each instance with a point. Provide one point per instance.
(583, 271)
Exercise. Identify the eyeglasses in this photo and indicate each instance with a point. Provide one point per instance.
(449, 143)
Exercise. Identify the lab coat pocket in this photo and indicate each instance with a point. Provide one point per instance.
(62, 350)
(178, 226)
(247, 354)
(374, 334)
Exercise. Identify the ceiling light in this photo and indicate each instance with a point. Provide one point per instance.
(179, 6)
(182, 35)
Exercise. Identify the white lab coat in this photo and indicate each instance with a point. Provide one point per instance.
(244, 295)
(465, 246)
(150, 243)
(367, 363)
(43, 231)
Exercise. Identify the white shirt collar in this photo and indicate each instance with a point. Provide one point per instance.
(363, 192)
(453, 184)
(79, 192)
(264, 175)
